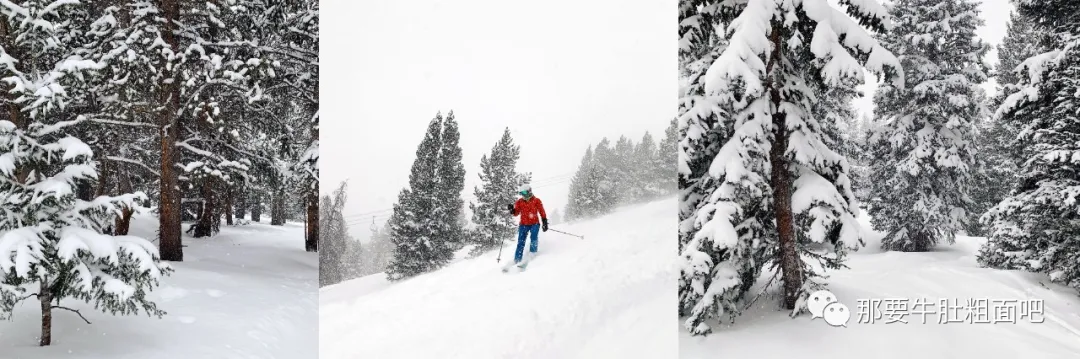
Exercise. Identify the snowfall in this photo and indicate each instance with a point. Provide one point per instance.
(949, 274)
(608, 295)
(249, 292)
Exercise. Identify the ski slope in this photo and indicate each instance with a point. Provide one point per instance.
(609, 295)
(249, 292)
(949, 273)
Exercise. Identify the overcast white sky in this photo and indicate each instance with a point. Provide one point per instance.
(560, 74)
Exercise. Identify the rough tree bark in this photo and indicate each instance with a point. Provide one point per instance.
(45, 299)
(311, 237)
(277, 207)
(170, 244)
(229, 206)
(240, 199)
(781, 180)
(204, 225)
(123, 223)
(256, 208)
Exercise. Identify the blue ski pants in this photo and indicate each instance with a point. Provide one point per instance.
(534, 230)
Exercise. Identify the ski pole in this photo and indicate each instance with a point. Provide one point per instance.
(499, 258)
(569, 234)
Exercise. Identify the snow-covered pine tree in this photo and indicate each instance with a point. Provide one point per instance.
(666, 174)
(449, 212)
(758, 182)
(1023, 39)
(716, 274)
(1036, 227)
(413, 226)
(604, 175)
(52, 241)
(1000, 153)
(499, 182)
(376, 258)
(622, 165)
(645, 170)
(334, 237)
(858, 154)
(923, 150)
(326, 235)
(993, 173)
(583, 190)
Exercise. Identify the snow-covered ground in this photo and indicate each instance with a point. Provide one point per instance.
(249, 292)
(949, 273)
(609, 295)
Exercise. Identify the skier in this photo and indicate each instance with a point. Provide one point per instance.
(528, 206)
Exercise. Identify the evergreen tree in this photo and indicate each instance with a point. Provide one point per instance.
(994, 172)
(417, 249)
(604, 173)
(1035, 227)
(645, 170)
(1000, 153)
(857, 150)
(666, 173)
(759, 183)
(376, 253)
(55, 233)
(335, 237)
(624, 177)
(499, 182)
(923, 151)
(448, 215)
(584, 190)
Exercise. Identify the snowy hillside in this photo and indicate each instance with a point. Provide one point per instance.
(580, 298)
(950, 273)
(249, 292)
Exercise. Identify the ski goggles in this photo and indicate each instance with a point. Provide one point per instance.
(524, 193)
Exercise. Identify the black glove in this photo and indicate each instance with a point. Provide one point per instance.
(510, 208)
(544, 227)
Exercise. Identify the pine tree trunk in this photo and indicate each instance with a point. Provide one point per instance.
(277, 207)
(123, 223)
(311, 240)
(170, 244)
(256, 209)
(204, 225)
(46, 313)
(229, 206)
(103, 177)
(103, 187)
(240, 202)
(781, 183)
(84, 190)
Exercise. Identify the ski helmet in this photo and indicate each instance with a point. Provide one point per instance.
(525, 189)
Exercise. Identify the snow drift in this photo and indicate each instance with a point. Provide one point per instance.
(579, 298)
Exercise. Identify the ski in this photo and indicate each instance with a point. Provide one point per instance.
(520, 266)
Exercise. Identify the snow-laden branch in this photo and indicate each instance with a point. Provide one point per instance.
(134, 162)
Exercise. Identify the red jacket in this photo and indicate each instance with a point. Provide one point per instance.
(528, 209)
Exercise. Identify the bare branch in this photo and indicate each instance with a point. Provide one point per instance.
(134, 162)
(73, 311)
(123, 123)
